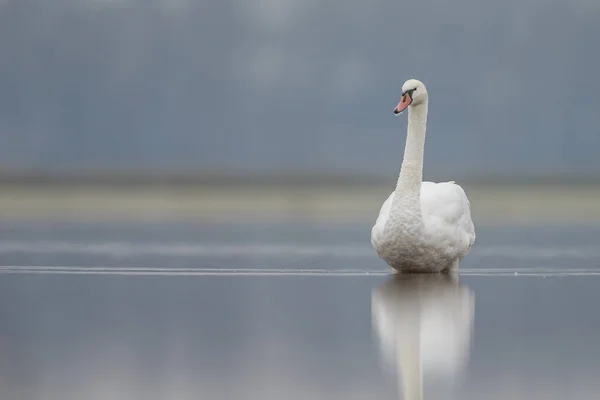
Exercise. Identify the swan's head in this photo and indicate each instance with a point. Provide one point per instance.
(413, 93)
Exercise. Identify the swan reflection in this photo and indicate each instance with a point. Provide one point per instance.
(423, 323)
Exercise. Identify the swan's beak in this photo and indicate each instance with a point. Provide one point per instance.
(404, 102)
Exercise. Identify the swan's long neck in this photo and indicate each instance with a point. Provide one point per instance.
(411, 173)
(407, 200)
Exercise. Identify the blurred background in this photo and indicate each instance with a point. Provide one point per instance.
(148, 145)
(265, 108)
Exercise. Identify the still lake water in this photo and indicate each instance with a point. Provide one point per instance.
(292, 311)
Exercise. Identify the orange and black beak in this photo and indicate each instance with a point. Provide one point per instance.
(404, 102)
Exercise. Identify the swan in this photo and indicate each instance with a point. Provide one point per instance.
(422, 226)
(423, 324)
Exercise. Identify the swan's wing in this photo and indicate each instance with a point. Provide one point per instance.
(384, 213)
(447, 214)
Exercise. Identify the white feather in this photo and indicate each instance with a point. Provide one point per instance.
(446, 213)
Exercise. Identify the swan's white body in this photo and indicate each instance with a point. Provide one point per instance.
(422, 226)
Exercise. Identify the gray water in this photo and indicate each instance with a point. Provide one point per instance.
(291, 311)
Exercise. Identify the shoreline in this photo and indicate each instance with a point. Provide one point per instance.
(495, 203)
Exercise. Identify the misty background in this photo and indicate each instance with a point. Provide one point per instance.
(304, 87)
(222, 137)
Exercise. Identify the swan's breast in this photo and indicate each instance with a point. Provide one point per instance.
(411, 253)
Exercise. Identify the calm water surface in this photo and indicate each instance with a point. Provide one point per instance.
(130, 311)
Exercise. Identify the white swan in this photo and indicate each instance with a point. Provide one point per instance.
(422, 226)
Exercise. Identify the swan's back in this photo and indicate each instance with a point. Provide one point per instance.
(446, 213)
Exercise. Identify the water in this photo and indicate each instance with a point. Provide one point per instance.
(291, 310)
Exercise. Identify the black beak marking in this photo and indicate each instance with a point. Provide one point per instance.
(409, 93)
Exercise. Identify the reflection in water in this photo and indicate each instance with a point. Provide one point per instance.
(424, 324)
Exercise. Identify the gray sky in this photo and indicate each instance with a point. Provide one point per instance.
(252, 86)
